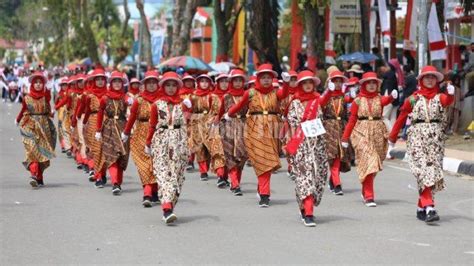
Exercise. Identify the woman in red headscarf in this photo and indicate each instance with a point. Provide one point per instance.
(65, 103)
(368, 133)
(232, 131)
(63, 120)
(77, 133)
(111, 121)
(333, 104)
(189, 84)
(139, 121)
(167, 143)
(307, 150)
(426, 137)
(262, 128)
(203, 107)
(37, 129)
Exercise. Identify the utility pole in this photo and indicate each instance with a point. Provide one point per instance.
(422, 6)
(393, 29)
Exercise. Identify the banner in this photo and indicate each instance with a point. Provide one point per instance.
(329, 39)
(157, 41)
(345, 16)
(372, 25)
(435, 37)
(385, 27)
(296, 35)
(409, 35)
(239, 43)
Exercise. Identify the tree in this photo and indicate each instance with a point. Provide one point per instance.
(262, 32)
(314, 28)
(183, 15)
(146, 37)
(226, 20)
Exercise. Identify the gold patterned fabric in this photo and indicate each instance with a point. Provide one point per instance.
(63, 127)
(214, 141)
(262, 132)
(95, 147)
(113, 149)
(199, 127)
(369, 137)
(38, 132)
(142, 160)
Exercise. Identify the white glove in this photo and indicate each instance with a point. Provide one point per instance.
(227, 117)
(450, 88)
(147, 150)
(71, 128)
(331, 86)
(353, 94)
(391, 145)
(16, 123)
(344, 87)
(394, 94)
(187, 103)
(124, 137)
(345, 145)
(130, 101)
(98, 136)
(285, 76)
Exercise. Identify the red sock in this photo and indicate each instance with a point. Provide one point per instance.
(368, 187)
(114, 175)
(34, 169)
(147, 190)
(264, 183)
(90, 163)
(203, 167)
(167, 206)
(220, 172)
(234, 177)
(308, 204)
(191, 158)
(335, 174)
(426, 198)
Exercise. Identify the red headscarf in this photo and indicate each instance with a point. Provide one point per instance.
(35, 93)
(260, 88)
(151, 97)
(219, 91)
(427, 92)
(98, 92)
(203, 92)
(174, 99)
(115, 94)
(185, 90)
(364, 93)
(304, 96)
(234, 91)
(133, 90)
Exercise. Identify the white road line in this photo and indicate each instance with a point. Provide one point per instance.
(398, 168)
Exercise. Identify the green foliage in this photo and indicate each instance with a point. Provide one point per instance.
(314, 3)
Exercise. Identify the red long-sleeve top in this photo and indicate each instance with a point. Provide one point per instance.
(66, 100)
(153, 123)
(407, 108)
(80, 108)
(281, 94)
(87, 110)
(386, 100)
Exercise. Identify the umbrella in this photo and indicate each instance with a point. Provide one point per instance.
(190, 64)
(359, 57)
(222, 67)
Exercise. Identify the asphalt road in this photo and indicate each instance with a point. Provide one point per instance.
(70, 222)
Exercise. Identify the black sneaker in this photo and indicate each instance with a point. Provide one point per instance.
(104, 180)
(34, 182)
(264, 201)
(154, 198)
(331, 186)
(338, 191)
(221, 183)
(370, 203)
(249, 163)
(227, 183)
(309, 221)
(237, 191)
(69, 154)
(190, 166)
(146, 202)
(116, 190)
(169, 217)
(204, 177)
(86, 169)
(99, 184)
(63, 150)
(302, 215)
(421, 214)
(40, 183)
(432, 216)
(91, 176)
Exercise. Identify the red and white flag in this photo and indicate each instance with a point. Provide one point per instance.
(409, 36)
(372, 25)
(384, 25)
(435, 37)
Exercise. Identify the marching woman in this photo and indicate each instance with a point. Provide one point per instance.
(167, 143)
(232, 131)
(199, 123)
(110, 123)
(426, 137)
(307, 154)
(189, 84)
(78, 136)
(37, 129)
(139, 121)
(262, 128)
(368, 133)
(64, 103)
(98, 90)
(214, 141)
(63, 124)
(133, 89)
(333, 104)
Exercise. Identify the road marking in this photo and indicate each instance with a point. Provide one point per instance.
(411, 243)
(469, 252)
(398, 168)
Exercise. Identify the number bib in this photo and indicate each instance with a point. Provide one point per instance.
(313, 128)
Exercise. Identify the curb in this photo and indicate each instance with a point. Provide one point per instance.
(449, 164)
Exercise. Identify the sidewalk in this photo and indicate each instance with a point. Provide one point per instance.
(458, 155)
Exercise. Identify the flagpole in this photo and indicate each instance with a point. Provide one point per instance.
(422, 33)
